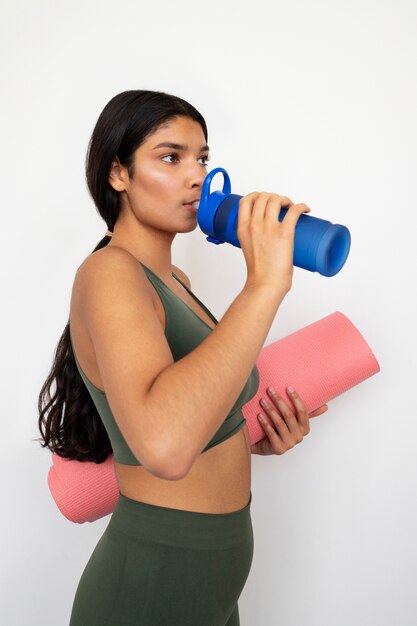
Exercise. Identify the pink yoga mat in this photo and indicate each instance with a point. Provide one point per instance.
(321, 361)
(83, 492)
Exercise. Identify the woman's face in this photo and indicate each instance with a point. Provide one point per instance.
(166, 177)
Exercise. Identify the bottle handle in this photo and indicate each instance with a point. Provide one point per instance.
(205, 190)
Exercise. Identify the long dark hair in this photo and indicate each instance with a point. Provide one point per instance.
(68, 419)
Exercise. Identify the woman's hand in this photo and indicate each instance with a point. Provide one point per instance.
(283, 428)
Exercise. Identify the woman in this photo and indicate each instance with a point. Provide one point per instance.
(145, 371)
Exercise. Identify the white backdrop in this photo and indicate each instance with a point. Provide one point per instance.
(314, 100)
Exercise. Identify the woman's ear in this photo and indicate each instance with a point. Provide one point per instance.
(116, 175)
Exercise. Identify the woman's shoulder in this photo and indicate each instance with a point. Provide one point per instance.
(107, 257)
(108, 267)
(113, 257)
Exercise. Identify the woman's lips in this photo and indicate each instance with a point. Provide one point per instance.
(192, 206)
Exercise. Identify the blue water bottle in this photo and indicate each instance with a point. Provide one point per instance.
(319, 245)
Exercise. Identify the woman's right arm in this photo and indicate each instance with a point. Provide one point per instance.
(168, 411)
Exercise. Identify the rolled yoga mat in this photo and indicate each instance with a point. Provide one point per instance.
(83, 491)
(321, 361)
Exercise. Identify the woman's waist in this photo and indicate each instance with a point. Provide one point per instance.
(218, 482)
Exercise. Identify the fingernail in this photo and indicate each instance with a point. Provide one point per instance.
(271, 390)
(291, 389)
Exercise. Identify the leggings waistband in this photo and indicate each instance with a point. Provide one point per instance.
(176, 527)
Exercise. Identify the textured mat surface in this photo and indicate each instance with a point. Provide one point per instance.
(83, 492)
(321, 361)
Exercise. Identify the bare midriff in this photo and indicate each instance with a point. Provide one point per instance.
(219, 480)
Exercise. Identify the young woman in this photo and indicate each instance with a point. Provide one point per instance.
(143, 370)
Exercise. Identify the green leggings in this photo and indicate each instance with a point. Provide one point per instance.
(157, 566)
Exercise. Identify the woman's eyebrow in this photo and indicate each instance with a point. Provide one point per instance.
(177, 146)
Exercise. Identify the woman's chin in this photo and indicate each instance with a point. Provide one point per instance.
(192, 225)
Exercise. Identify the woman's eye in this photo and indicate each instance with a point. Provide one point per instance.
(167, 156)
(170, 155)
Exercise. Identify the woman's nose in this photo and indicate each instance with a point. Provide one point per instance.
(197, 175)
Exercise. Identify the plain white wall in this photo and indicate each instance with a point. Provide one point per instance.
(314, 100)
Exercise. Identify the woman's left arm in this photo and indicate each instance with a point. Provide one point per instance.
(283, 429)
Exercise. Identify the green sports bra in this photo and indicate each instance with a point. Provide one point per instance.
(184, 330)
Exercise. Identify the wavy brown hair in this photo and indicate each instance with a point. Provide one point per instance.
(68, 419)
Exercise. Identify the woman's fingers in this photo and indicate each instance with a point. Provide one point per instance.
(276, 444)
(283, 418)
(283, 428)
(288, 424)
(302, 414)
(319, 411)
